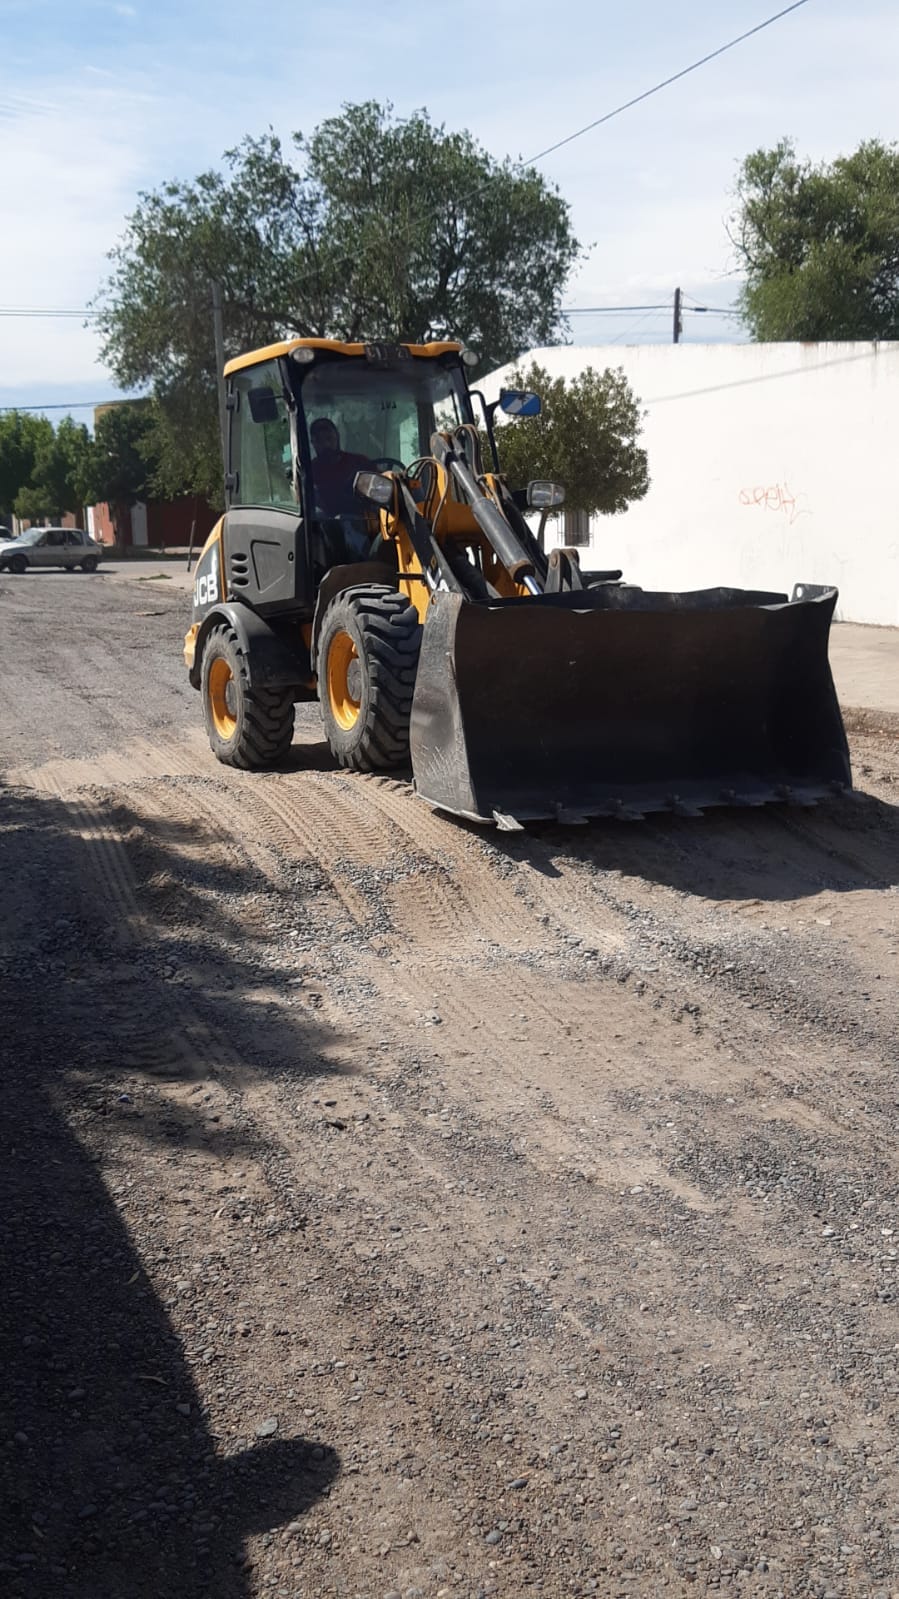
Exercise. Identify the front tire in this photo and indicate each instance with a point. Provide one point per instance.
(18, 563)
(367, 662)
(89, 564)
(247, 727)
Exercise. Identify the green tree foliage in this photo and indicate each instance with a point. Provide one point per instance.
(586, 438)
(21, 436)
(120, 464)
(57, 475)
(819, 244)
(374, 226)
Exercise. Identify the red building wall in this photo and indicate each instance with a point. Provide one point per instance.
(169, 523)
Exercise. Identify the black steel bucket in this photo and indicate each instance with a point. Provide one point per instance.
(616, 701)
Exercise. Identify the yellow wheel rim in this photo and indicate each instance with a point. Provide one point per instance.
(220, 687)
(344, 681)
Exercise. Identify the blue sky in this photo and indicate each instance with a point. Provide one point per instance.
(101, 99)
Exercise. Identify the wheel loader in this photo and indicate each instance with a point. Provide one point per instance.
(369, 557)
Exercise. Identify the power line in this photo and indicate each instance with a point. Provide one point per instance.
(39, 311)
(77, 405)
(714, 310)
(665, 83)
(600, 310)
(635, 326)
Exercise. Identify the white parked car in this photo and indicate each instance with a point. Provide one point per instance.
(50, 546)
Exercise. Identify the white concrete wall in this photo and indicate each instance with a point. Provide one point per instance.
(771, 464)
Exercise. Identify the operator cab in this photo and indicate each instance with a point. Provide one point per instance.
(307, 416)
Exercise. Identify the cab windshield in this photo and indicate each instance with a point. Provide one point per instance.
(359, 417)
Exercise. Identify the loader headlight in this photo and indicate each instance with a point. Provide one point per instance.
(544, 496)
(470, 357)
(375, 487)
(302, 355)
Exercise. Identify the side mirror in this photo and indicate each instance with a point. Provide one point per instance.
(263, 405)
(545, 496)
(374, 486)
(520, 402)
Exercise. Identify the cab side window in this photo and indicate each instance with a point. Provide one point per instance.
(260, 439)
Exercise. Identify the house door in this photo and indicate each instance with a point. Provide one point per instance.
(139, 524)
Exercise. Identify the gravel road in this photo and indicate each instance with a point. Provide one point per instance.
(397, 1210)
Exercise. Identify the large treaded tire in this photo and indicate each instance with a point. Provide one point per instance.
(386, 635)
(263, 719)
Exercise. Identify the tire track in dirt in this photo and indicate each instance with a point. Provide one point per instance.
(138, 761)
(450, 964)
(446, 956)
(724, 979)
(187, 1049)
(435, 945)
(310, 821)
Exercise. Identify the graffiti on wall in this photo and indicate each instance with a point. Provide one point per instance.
(776, 498)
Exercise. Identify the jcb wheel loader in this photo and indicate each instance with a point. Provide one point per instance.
(367, 558)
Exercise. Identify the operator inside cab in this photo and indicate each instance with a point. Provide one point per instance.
(334, 470)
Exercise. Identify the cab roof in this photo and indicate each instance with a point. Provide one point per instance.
(272, 351)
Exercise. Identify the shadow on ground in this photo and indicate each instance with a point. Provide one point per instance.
(111, 1479)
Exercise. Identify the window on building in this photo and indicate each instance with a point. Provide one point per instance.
(260, 451)
(576, 527)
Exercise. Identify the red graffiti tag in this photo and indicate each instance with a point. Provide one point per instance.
(775, 497)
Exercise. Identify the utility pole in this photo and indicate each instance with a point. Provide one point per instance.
(678, 323)
(219, 337)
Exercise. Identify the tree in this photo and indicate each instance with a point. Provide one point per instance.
(120, 463)
(21, 435)
(586, 438)
(57, 475)
(373, 227)
(819, 244)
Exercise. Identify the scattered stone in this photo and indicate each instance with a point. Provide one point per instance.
(267, 1428)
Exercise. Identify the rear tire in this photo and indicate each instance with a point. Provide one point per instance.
(18, 563)
(367, 662)
(247, 727)
(89, 564)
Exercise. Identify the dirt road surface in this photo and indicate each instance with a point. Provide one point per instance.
(395, 1209)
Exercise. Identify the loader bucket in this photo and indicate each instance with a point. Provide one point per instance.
(614, 701)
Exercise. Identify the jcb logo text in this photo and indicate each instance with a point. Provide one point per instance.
(206, 589)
